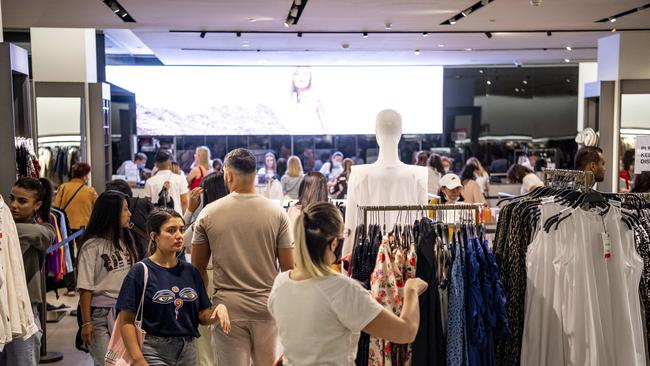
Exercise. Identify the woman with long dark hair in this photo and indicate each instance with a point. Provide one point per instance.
(175, 299)
(29, 202)
(106, 255)
(313, 188)
(471, 189)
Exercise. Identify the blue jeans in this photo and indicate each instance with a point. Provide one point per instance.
(170, 351)
(99, 317)
(24, 352)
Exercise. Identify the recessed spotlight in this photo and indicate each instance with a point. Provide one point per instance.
(568, 48)
(523, 90)
(345, 46)
(245, 45)
(567, 60)
(425, 34)
(489, 82)
(469, 49)
(568, 80)
(417, 52)
(525, 82)
(612, 20)
(365, 34)
(516, 90)
(480, 71)
(441, 45)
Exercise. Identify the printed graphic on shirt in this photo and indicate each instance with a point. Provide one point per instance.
(116, 260)
(176, 296)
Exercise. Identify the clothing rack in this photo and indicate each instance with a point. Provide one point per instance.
(476, 208)
(577, 177)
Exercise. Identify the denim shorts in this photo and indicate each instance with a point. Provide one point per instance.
(169, 351)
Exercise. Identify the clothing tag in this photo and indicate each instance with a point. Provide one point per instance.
(547, 200)
(607, 245)
(615, 203)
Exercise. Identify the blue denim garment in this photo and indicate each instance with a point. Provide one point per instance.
(499, 299)
(170, 351)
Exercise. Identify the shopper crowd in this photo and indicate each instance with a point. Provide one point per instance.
(206, 256)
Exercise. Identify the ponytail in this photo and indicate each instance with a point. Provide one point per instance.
(317, 226)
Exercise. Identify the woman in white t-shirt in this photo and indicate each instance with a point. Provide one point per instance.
(519, 174)
(106, 255)
(319, 312)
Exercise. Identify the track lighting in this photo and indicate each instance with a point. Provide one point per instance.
(417, 52)
(488, 34)
(567, 60)
(612, 20)
(489, 82)
(613, 30)
(365, 34)
(425, 34)
(452, 21)
(238, 34)
(568, 48)
(295, 12)
(299, 34)
(298, 2)
(468, 11)
(388, 26)
(119, 10)
(549, 33)
(202, 35)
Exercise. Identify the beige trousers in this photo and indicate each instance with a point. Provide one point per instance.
(249, 343)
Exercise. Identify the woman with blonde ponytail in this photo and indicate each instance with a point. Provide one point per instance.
(319, 312)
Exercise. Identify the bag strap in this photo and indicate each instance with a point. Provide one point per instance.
(144, 290)
(73, 196)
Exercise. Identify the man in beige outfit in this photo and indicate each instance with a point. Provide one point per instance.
(247, 236)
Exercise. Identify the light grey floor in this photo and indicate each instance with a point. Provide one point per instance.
(61, 335)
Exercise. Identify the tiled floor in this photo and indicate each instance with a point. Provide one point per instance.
(61, 335)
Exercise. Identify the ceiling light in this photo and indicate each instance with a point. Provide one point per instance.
(536, 2)
(489, 82)
(290, 21)
(463, 13)
(238, 34)
(425, 34)
(525, 82)
(345, 46)
(252, 20)
(116, 10)
(299, 34)
(297, 2)
(417, 52)
(452, 21)
(202, 35)
(245, 45)
(388, 26)
(549, 33)
(523, 90)
(612, 20)
(516, 90)
(488, 34)
(567, 60)
(294, 11)
(568, 48)
(125, 14)
(365, 34)
(468, 49)
(568, 80)
(441, 45)
(613, 30)
(480, 71)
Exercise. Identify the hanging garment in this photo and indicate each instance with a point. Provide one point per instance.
(456, 336)
(429, 348)
(17, 320)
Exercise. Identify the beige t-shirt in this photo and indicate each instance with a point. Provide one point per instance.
(244, 232)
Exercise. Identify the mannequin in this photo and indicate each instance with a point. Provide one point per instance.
(386, 182)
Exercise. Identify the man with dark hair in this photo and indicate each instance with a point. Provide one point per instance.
(165, 188)
(246, 235)
(140, 209)
(139, 161)
(591, 159)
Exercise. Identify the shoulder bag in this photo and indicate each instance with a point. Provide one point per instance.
(118, 354)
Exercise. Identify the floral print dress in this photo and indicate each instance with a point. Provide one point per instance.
(394, 267)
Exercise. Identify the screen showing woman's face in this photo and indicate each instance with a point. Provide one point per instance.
(302, 78)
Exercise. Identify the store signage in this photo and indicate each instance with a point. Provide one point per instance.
(642, 155)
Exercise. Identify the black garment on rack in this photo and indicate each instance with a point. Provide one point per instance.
(430, 346)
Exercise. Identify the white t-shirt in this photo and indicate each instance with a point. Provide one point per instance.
(319, 320)
(530, 182)
(102, 268)
(178, 186)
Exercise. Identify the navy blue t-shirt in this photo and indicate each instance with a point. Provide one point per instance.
(172, 302)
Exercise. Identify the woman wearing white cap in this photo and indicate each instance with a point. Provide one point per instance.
(450, 189)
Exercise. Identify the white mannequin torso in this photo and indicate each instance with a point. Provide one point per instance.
(386, 182)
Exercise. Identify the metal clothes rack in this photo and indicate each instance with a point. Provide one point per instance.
(476, 208)
(562, 176)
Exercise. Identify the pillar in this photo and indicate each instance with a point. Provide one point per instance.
(1, 29)
(587, 73)
(622, 57)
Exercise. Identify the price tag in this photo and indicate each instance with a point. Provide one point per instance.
(607, 245)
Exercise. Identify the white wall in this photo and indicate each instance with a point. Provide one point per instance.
(588, 73)
(58, 116)
(64, 55)
(1, 37)
(635, 111)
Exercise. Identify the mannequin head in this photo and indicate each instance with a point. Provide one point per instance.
(388, 128)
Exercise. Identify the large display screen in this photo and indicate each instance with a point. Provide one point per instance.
(234, 100)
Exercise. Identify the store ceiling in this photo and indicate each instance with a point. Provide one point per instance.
(155, 19)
